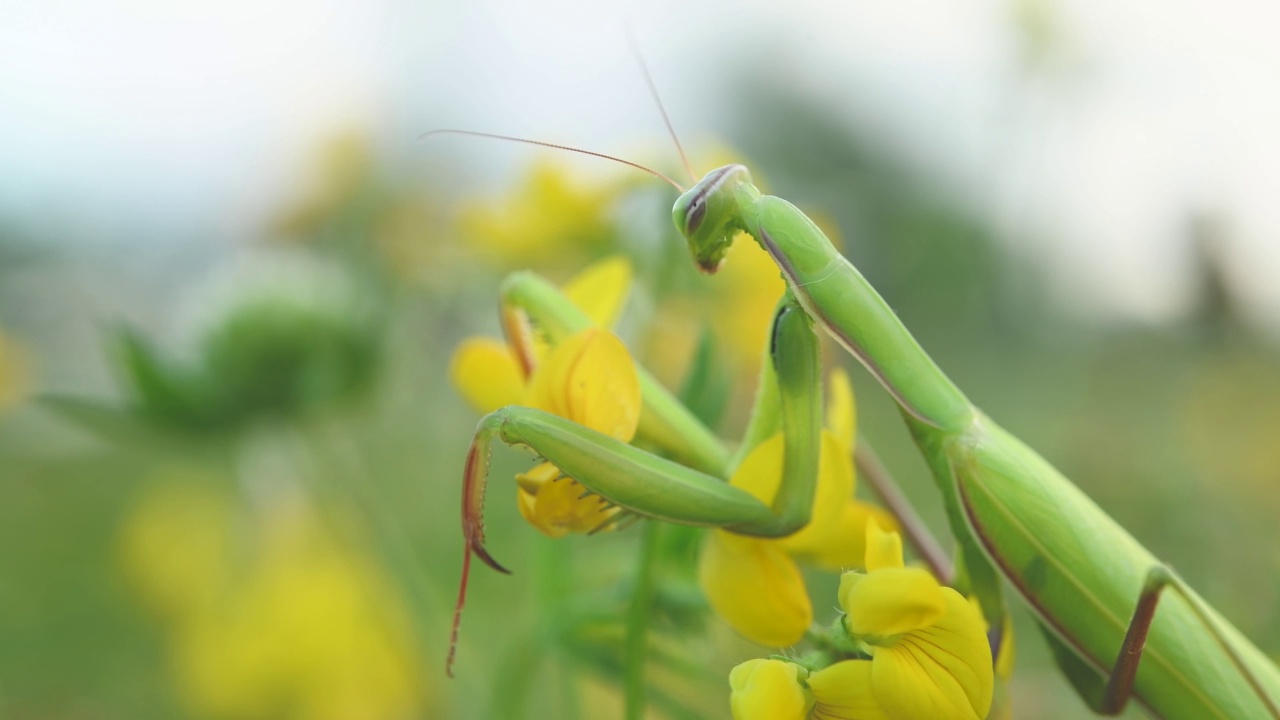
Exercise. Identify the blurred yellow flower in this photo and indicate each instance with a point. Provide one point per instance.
(15, 372)
(755, 583)
(487, 374)
(343, 166)
(268, 616)
(549, 216)
(930, 659)
(737, 304)
(748, 286)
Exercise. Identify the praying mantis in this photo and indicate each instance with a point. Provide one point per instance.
(1122, 624)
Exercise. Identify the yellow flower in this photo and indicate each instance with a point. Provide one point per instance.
(930, 655)
(754, 583)
(549, 216)
(267, 615)
(589, 378)
(343, 167)
(768, 690)
(15, 372)
(486, 371)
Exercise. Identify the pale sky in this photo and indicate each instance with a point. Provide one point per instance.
(180, 115)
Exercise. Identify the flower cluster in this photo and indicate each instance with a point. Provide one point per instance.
(267, 614)
(926, 653)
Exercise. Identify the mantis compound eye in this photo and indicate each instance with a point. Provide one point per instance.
(697, 213)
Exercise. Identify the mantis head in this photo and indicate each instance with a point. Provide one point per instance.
(709, 214)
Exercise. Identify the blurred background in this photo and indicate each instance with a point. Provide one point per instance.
(231, 283)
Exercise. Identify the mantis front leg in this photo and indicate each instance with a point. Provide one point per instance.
(644, 484)
(664, 421)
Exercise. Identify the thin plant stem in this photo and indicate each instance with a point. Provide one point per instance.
(636, 650)
(553, 585)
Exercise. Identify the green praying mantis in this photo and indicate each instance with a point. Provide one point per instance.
(1122, 625)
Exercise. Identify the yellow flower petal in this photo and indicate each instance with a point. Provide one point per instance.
(834, 491)
(556, 506)
(15, 372)
(845, 545)
(891, 601)
(175, 545)
(843, 692)
(760, 473)
(590, 379)
(1008, 649)
(755, 587)
(601, 289)
(884, 549)
(842, 420)
(768, 690)
(486, 374)
(941, 672)
(538, 476)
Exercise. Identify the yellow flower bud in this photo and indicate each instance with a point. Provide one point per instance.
(884, 549)
(768, 690)
(891, 601)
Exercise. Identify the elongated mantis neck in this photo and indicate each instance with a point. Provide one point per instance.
(841, 300)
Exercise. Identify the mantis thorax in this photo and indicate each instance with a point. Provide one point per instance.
(709, 214)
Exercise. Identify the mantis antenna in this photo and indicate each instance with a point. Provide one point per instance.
(493, 136)
(653, 90)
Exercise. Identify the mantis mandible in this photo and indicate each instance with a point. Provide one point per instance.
(1121, 623)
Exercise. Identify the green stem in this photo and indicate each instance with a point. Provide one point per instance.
(637, 640)
(552, 589)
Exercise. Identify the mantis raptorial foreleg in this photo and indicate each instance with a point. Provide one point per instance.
(648, 485)
(665, 421)
(652, 486)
